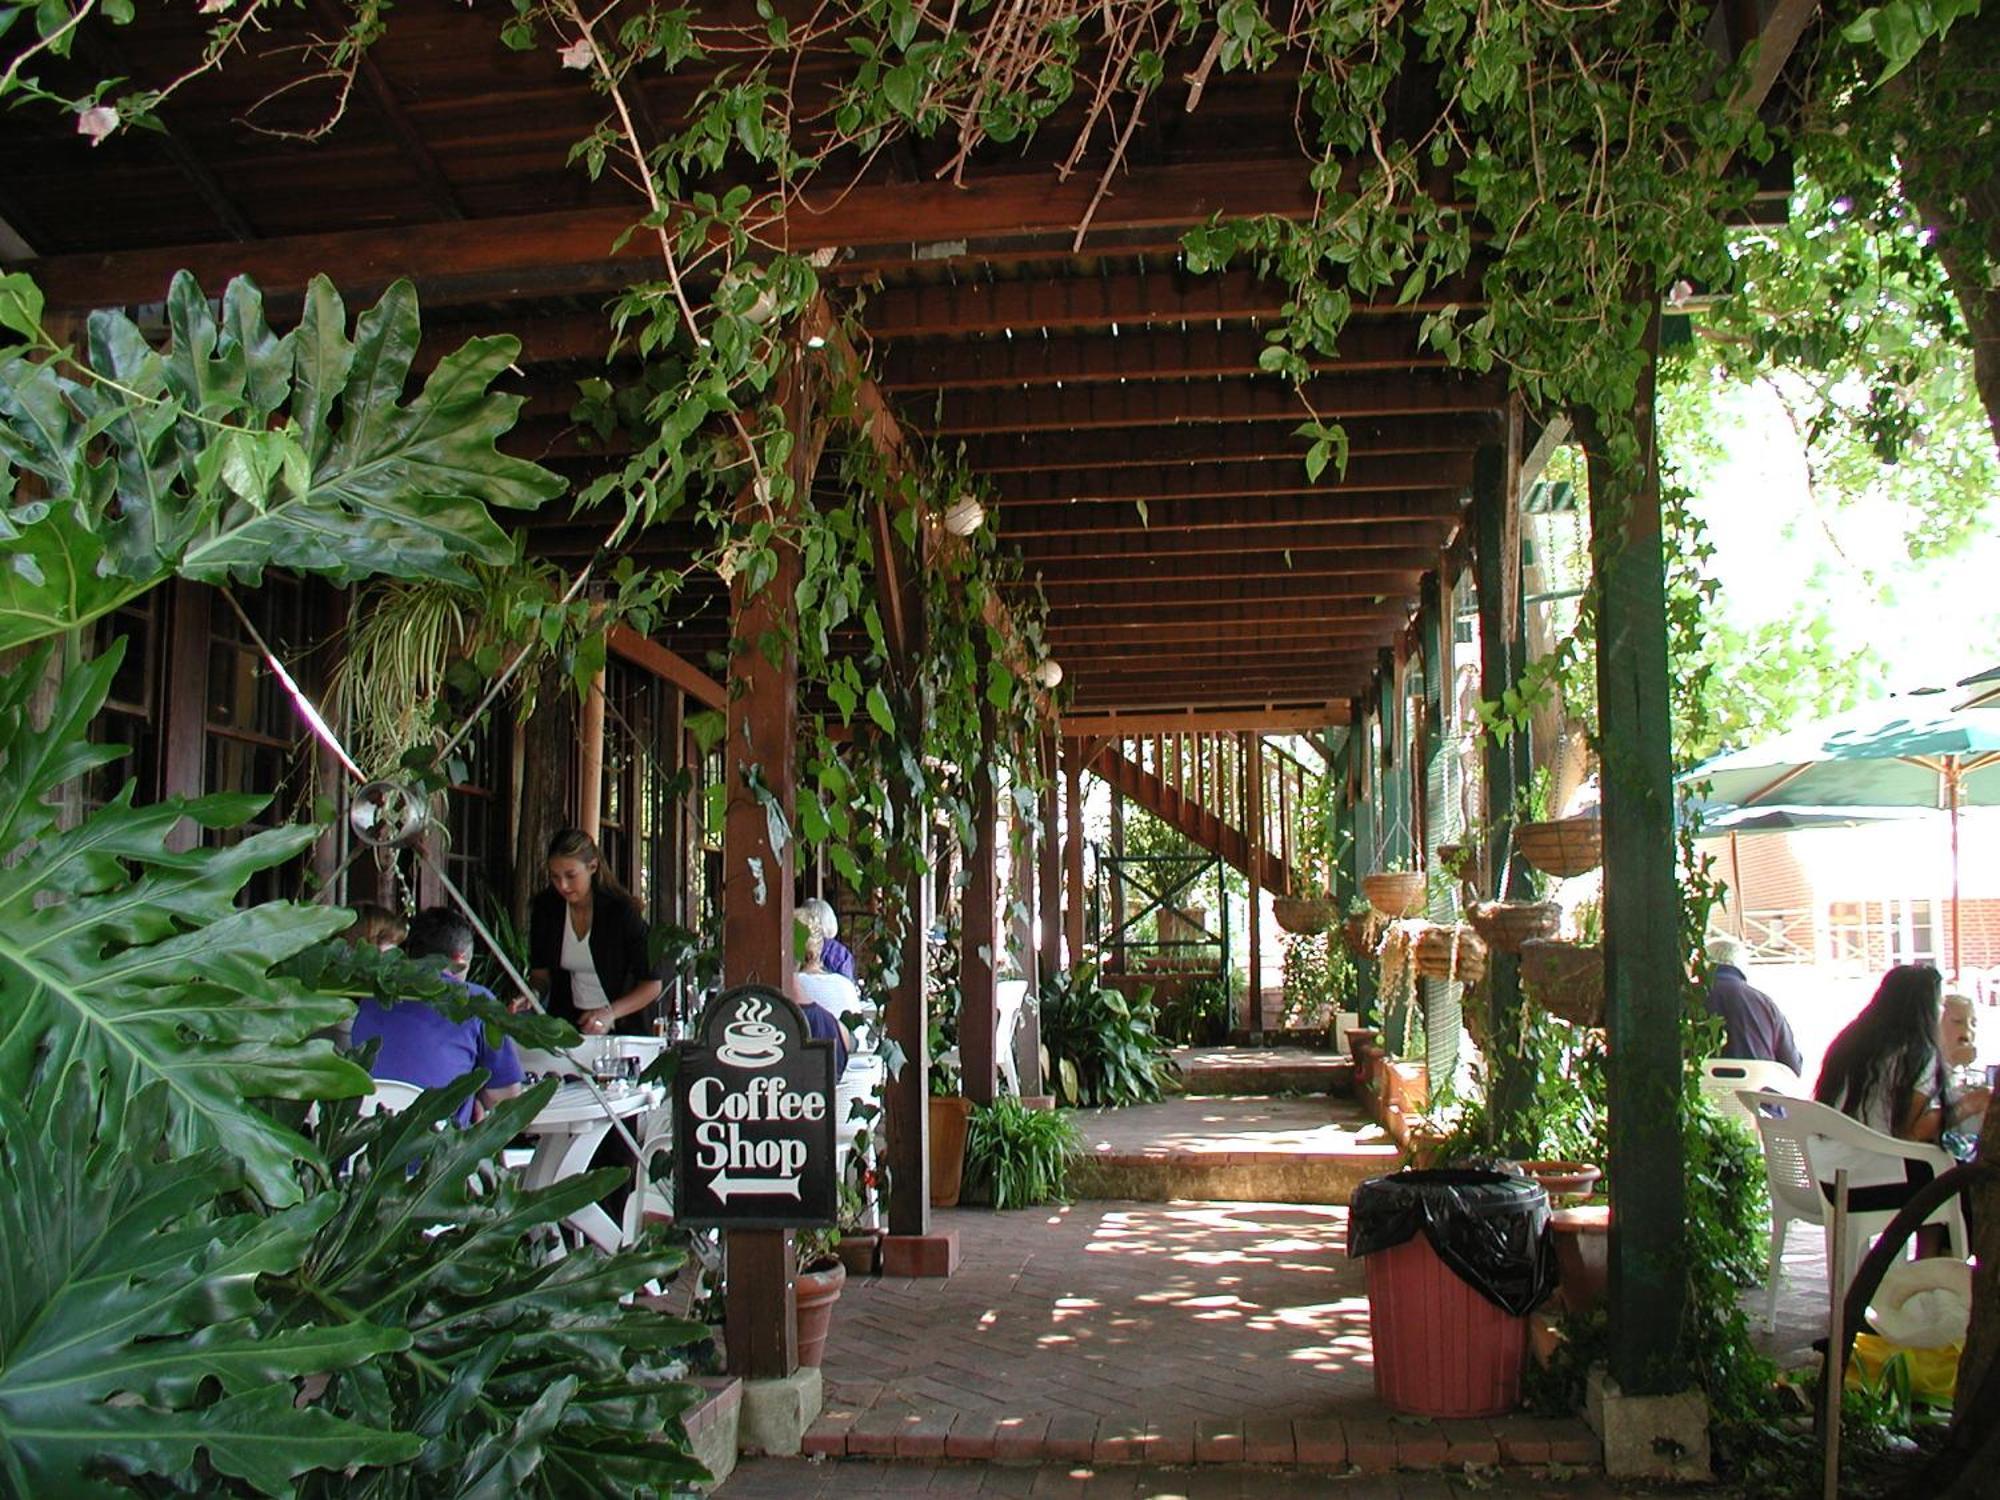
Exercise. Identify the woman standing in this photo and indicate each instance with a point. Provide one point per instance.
(587, 944)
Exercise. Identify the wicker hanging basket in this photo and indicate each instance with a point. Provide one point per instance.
(1505, 925)
(1304, 915)
(1459, 861)
(1360, 932)
(1565, 979)
(1454, 953)
(1562, 849)
(1395, 893)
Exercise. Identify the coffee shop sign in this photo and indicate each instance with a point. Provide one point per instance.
(754, 1117)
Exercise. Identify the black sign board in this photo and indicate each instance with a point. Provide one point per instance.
(753, 1117)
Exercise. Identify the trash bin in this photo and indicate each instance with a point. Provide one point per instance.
(1457, 1259)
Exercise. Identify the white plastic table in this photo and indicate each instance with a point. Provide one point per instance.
(568, 1131)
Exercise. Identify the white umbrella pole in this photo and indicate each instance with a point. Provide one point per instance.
(1951, 800)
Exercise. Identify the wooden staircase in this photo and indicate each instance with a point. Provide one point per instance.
(1168, 798)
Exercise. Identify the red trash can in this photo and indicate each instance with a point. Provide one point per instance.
(1443, 1346)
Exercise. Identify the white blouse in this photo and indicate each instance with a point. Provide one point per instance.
(584, 986)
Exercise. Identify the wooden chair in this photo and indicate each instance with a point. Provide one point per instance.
(1796, 1134)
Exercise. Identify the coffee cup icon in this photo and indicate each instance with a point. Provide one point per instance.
(751, 1041)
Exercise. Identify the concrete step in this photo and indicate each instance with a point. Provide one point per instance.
(1231, 1149)
(1264, 1070)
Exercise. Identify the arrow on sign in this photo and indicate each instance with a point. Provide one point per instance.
(724, 1185)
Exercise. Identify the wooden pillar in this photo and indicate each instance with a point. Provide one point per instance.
(1253, 826)
(1048, 869)
(1025, 1040)
(1499, 669)
(979, 938)
(761, 1315)
(1362, 849)
(1077, 904)
(590, 760)
(1114, 886)
(906, 1096)
(1644, 976)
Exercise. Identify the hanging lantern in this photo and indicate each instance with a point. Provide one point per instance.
(965, 516)
(1050, 673)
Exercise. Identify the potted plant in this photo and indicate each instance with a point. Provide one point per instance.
(817, 1287)
(1505, 925)
(1360, 928)
(860, 1244)
(1567, 978)
(1395, 893)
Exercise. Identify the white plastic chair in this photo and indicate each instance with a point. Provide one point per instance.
(1789, 1167)
(650, 1199)
(1723, 1078)
(1010, 997)
(390, 1097)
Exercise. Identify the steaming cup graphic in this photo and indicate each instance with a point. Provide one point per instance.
(751, 1041)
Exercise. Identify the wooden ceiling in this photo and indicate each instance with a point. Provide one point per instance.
(1146, 470)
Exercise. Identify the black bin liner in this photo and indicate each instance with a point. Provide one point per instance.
(1491, 1228)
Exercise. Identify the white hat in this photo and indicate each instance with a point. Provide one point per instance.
(1924, 1304)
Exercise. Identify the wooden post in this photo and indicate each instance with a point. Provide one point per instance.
(1361, 851)
(979, 938)
(1499, 669)
(761, 1315)
(1253, 826)
(1114, 887)
(1644, 979)
(1048, 868)
(906, 1097)
(1024, 875)
(1074, 908)
(590, 761)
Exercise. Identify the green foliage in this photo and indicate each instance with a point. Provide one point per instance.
(1319, 978)
(518, 1371)
(129, 1333)
(235, 449)
(1021, 1155)
(133, 960)
(1102, 1049)
(1198, 1013)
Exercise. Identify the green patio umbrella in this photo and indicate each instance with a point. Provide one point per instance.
(1985, 689)
(1914, 751)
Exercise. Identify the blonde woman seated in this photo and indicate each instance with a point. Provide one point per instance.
(825, 997)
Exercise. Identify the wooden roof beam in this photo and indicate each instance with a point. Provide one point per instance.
(1190, 354)
(1140, 572)
(1391, 588)
(1021, 520)
(1364, 475)
(1336, 397)
(1206, 721)
(1417, 538)
(1128, 300)
(570, 251)
(1239, 441)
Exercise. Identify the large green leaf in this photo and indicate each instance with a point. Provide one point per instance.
(128, 1337)
(527, 1375)
(233, 449)
(135, 962)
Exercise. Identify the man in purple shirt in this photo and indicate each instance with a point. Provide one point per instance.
(1758, 1030)
(419, 1044)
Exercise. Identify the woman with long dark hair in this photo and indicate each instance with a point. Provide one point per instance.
(1884, 1071)
(587, 944)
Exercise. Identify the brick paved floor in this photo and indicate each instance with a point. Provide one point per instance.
(859, 1479)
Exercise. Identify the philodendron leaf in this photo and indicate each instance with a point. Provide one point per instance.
(135, 961)
(234, 449)
(127, 1336)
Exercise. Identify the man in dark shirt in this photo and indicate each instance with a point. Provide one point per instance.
(1758, 1030)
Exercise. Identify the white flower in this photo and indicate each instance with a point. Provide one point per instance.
(578, 54)
(210, 7)
(97, 122)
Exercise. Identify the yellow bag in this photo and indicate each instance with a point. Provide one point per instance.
(1933, 1372)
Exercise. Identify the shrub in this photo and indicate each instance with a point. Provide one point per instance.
(1021, 1155)
(1198, 1015)
(1101, 1048)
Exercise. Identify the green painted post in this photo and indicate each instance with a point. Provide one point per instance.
(1499, 669)
(1643, 973)
(1360, 851)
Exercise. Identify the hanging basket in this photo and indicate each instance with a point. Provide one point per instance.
(1360, 933)
(1505, 925)
(1562, 849)
(1453, 953)
(1395, 893)
(1565, 979)
(1304, 915)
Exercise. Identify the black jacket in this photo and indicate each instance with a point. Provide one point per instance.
(617, 949)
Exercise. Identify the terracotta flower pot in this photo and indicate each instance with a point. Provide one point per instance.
(1583, 1255)
(860, 1251)
(1563, 1179)
(817, 1291)
(951, 1123)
